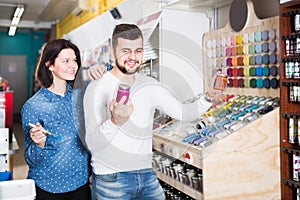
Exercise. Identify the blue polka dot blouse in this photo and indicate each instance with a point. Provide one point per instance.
(63, 164)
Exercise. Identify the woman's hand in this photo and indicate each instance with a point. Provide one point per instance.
(38, 136)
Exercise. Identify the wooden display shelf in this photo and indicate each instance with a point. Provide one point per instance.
(243, 165)
(287, 108)
(171, 144)
(179, 186)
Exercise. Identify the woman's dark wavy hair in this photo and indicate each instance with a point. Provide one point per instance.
(125, 31)
(50, 52)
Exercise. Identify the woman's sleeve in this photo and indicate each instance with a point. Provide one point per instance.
(33, 154)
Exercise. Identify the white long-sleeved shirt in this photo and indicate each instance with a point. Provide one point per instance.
(129, 147)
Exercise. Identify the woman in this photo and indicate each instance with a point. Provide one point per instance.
(57, 159)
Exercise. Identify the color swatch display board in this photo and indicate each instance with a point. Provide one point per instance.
(250, 58)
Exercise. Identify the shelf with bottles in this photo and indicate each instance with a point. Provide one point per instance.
(172, 193)
(294, 180)
(291, 69)
(178, 174)
(290, 16)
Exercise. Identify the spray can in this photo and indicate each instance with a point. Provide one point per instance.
(123, 90)
(220, 82)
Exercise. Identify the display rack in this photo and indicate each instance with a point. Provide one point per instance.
(289, 109)
(244, 164)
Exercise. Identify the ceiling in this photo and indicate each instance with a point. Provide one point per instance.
(37, 14)
(44, 13)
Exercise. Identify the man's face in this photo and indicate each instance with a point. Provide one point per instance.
(129, 55)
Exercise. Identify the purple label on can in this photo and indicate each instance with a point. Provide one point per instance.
(123, 90)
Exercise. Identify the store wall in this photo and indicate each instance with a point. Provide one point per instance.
(26, 42)
(181, 51)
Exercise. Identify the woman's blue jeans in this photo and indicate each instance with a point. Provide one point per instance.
(131, 185)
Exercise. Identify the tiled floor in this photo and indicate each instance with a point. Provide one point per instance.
(20, 167)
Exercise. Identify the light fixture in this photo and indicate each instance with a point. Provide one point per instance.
(15, 20)
(12, 30)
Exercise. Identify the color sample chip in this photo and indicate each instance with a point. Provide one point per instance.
(223, 62)
(229, 61)
(252, 71)
(234, 61)
(272, 46)
(223, 41)
(241, 71)
(272, 34)
(246, 82)
(253, 83)
(228, 51)
(252, 60)
(223, 52)
(233, 51)
(218, 42)
(239, 39)
(273, 58)
(233, 40)
(251, 37)
(258, 59)
(257, 36)
(218, 53)
(265, 47)
(208, 44)
(246, 71)
(259, 83)
(239, 50)
(265, 59)
(245, 38)
(213, 43)
(259, 71)
(266, 71)
(214, 63)
(266, 83)
(251, 48)
(245, 49)
(230, 82)
(228, 41)
(213, 53)
(273, 71)
(240, 61)
(274, 83)
(235, 82)
(258, 48)
(218, 62)
(241, 83)
(264, 35)
(235, 72)
(246, 60)
(229, 72)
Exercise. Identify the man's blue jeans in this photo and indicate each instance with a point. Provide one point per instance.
(140, 184)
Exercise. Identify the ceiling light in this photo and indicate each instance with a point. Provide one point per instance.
(19, 11)
(16, 19)
(12, 30)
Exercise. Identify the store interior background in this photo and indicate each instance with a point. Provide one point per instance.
(178, 17)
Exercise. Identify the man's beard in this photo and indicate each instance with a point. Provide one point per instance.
(123, 69)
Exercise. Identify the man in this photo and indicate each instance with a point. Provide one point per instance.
(119, 135)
